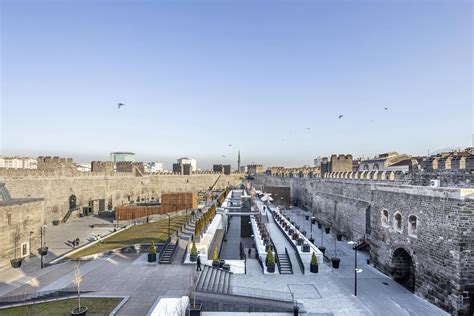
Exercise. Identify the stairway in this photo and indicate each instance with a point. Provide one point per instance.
(284, 262)
(214, 280)
(167, 257)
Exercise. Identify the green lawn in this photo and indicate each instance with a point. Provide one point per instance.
(156, 231)
(96, 306)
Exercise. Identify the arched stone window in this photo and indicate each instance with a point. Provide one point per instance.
(366, 167)
(384, 218)
(375, 167)
(397, 223)
(412, 225)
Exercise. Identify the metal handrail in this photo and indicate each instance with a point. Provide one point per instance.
(14, 299)
(288, 257)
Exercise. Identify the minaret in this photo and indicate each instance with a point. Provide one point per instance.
(238, 162)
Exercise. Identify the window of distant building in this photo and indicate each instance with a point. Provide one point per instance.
(384, 218)
(397, 223)
(366, 167)
(412, 225)
(376, 167)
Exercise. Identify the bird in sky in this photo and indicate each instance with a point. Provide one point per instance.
(386, 109)
(223, 156)
(120, 105)
(307, 128)
(230, 145)
(341, 116)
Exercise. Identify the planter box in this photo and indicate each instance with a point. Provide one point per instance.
(327, 229)
(322, 249)
(271, 269)
(313, 220)
(152, 257)
(306, 217)
(313, 268)
(195, 309)
(339, 237)
(43, 251)
(335, 262)
(77, 312)
(193, 258)
(300, 241)
(305, 248)
(215, 264)
(320, 225)
(16, 263)
(311, 240)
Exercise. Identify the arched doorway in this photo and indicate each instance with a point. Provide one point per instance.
(403, 269)
(72, 202)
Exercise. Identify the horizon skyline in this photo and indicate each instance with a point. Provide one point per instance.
(270, 78)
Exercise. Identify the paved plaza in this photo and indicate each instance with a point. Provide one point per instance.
(130, 275)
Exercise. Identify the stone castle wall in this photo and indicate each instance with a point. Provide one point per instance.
(440, 250)
(118, 188)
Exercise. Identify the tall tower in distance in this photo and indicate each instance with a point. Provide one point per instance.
(238, 162)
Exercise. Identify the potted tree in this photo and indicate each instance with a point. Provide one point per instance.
(270, 261)
(77, 279)
(313, 220)
(339, 236)
(193, 254)
(152, 252)
(295, 236)
(300, 241)
(215, 258)
(313, 267)
(305, 248)
(327, 229)
(16, 262)
(335, 261)
(320, 226)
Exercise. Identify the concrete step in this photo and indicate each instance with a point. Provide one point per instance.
(202, 278)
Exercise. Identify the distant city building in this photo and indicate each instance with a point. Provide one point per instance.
(254, 169)
(185, 160)
(18, 163)
(243, 169)
(154, 166)
(183, 169)
(391, 161)
(122, 156)
(317, 162)
(227, 169)
(218, 168)
(84, 167)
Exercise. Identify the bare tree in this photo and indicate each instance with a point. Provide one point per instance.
(77, 279)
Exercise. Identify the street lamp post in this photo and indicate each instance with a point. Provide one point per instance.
(356, 270)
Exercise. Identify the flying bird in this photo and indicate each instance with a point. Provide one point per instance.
(120, 105)
(230, 145)
(386, 109)
(307, 128)
(341, 116)
(223, 156)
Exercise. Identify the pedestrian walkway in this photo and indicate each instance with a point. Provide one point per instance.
(281, 243)
(231, 247)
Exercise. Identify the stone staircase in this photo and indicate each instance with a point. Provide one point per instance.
(168, 252)
(214, 280)
(284, 262)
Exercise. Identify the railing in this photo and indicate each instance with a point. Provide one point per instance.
(174, 249)
(36, 296)
(262, 293)
(277, 259)
(185, 252)
(162, 252)
(288, 257)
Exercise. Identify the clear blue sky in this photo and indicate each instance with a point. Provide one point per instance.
(197, 76)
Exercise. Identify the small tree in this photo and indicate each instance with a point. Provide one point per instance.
(270, 260)
(77, 279)
(152, 250)
(194, 249)
(314, 259)
(215, 257)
